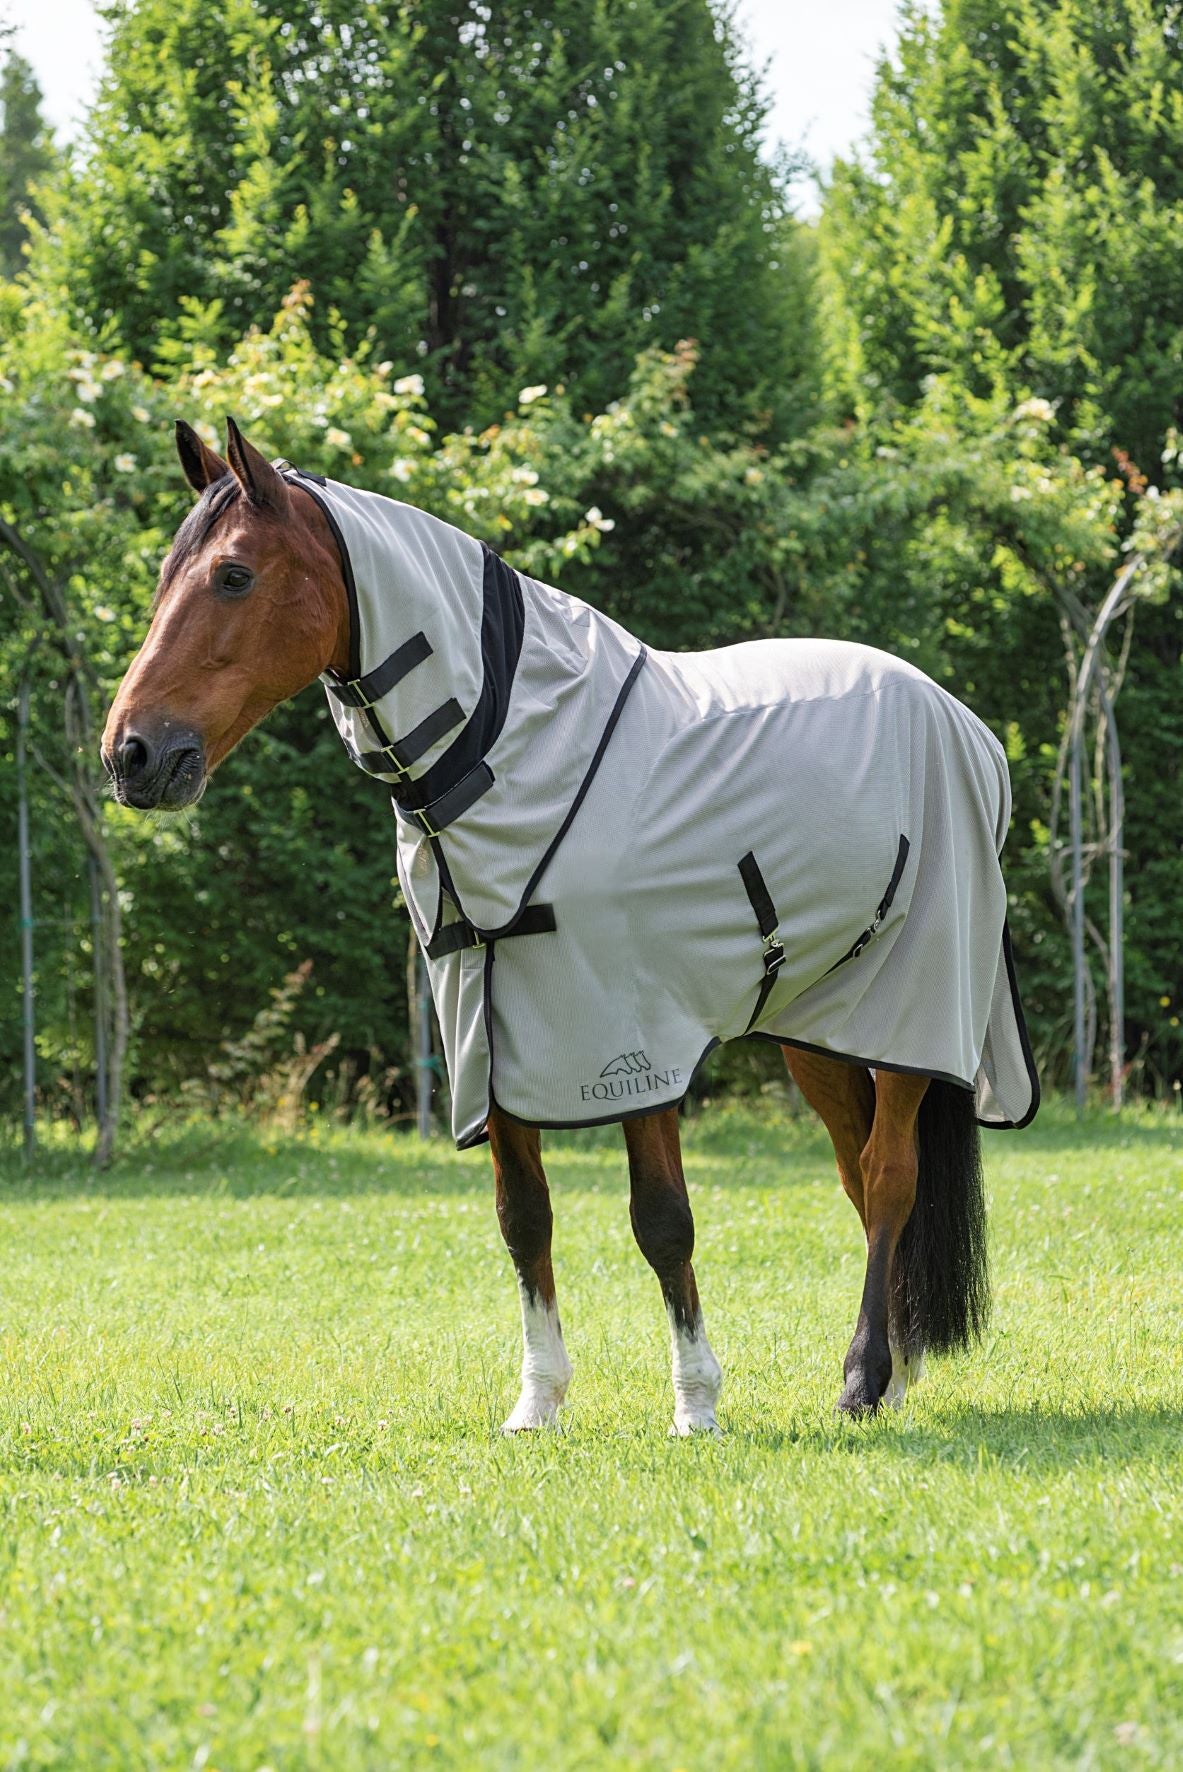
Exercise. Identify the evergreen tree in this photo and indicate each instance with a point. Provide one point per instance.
(1018, 218)
(508, 193)
(1012, 236)
(26, 157)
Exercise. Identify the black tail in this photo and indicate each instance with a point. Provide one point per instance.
(940, 1296)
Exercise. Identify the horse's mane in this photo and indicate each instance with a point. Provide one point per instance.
(217, 498)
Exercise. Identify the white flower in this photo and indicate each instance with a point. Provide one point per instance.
(338, 439)
(525, 476)
(753, 476)
(534, 495)
(1043, 410)
(206, 432)
(126, 464)
(141, 413)
(81, 419)
(529, 395)
(597, 519)
(112, 369)
(89, 390)
(401, 468)
(408, 384)
(102, 613)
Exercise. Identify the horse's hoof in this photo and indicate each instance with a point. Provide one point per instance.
(686, 1426)
(858, 1402)
(531, 1413)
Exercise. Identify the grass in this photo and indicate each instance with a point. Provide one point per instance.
(255, 1511)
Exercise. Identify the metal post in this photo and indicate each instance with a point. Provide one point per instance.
(100, 994)
(26, 909)
(425, 1060)
(1116, 919)
(1080, 1060)
(1115, 604)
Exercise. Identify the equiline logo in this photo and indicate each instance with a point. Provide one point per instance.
(629, 1074)
(627, 1065)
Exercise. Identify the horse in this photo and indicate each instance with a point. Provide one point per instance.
(277, 577)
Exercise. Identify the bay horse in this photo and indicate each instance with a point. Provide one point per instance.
(259, 596)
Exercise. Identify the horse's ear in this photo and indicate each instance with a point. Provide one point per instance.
(202, 464)
(259, 480)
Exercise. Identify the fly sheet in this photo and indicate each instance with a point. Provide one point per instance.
(617, 858)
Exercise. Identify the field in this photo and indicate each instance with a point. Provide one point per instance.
(255, 1511)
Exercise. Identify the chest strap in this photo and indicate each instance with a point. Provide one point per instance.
(767, 920)
(536, 919)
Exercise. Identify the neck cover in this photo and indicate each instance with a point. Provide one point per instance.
(616, 859)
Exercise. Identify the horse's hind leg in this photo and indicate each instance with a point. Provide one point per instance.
(524, 1214)
(843, 1097)
(664, 1228)
(890, 1167)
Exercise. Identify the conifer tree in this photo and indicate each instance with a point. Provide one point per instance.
(507, 193)
(26, 157)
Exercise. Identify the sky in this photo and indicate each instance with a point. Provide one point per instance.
(821, 56)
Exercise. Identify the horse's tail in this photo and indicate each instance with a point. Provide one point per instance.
(940, 1277)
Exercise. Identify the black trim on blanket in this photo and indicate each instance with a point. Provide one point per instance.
(641, 1113)
(577, 802)
(874, 1064)
(492, 937)
(503, 620)
(871, 1064)
(1024, 1040)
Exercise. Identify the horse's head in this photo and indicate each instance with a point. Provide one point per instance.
(250, 608)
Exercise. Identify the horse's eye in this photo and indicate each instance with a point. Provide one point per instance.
(234, 580)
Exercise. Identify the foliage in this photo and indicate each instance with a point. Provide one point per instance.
(997, 439)
(1009, 236)
(499, 196)
(26, 157)
(249, 1449)
(291, 854)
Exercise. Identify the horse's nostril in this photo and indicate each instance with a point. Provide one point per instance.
(133, 756)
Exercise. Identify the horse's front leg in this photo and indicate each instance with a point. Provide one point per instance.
(524, 1214)
(889, 1168)
(664, 1228)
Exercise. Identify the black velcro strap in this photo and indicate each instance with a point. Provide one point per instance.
(437, 815)
(363, 692)
(758, 893)
(767, 919)
(536, 919)
(400, 755)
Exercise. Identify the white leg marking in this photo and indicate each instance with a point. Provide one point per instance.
(698, 1379)
(546, 1370)
(905, 1370)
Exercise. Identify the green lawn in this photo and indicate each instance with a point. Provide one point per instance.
(254, 1509)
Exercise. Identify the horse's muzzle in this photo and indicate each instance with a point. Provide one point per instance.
(162, 772)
